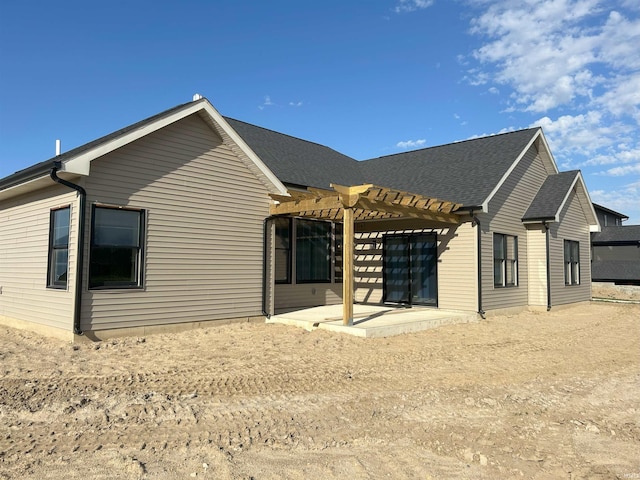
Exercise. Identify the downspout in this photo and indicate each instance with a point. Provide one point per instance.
(476, 223)
(264, 265)
(546, 229)
(80, 250)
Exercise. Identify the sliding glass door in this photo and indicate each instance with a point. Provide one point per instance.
(410, 269)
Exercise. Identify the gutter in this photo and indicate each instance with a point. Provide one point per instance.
(547, 241)
(80, 249)
(476, 223)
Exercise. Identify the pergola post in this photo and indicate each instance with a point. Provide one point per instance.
(360, 203)
(347, 269)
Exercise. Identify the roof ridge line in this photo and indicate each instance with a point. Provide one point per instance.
(453, 143)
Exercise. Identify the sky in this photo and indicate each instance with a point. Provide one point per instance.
(366, 78)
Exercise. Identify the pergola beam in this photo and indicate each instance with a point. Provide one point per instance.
(360, 203)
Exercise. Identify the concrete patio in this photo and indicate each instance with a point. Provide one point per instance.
(373, 320)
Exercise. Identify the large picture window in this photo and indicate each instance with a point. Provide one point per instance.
(313, 251)
(282, 250)
(571, 262)
(116, 248)
(505, 260)
(58, 248)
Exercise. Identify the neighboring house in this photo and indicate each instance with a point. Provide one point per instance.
(609, 218)
(615, 251)
(190, 217)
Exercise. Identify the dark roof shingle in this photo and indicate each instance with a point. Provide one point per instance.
(297, 161)
(615, 270)
(629, 234)
(549, 198)
(464, 172)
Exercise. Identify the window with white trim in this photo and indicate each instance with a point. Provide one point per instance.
(505, 260)
(571, 262)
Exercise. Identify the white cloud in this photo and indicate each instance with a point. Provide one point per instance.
(295, 104)
(411, 143)
(553, 52)
(574, 64)
(622, 171)
(625, 199)
(267, 102)
(621, 155)
(493, 91)
(412, 5)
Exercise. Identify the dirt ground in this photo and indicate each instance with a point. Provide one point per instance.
(537, 396)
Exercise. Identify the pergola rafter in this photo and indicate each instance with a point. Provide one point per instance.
(358, 203)
(372, 203)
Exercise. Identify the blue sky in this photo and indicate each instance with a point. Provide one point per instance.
(367, 78)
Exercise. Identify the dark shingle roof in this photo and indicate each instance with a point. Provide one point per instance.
(549, 198)
(463, 172)
(297, 161)
(608, 210)
(615, 270)
(628, 234)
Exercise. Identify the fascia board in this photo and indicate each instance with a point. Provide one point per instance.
(594, 225)
(219, 119)
(36, 183)
(485, 204)
(566, 197)
(81, 164)
(543, 139)
(24, 187)
(539, 134)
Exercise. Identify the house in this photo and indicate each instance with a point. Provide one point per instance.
(188, 217)
(615, 250)
(609, 218)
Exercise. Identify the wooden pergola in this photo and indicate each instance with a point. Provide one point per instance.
(356, 204)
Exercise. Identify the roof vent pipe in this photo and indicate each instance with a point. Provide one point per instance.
(57, 147)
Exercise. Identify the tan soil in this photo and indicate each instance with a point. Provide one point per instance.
(617, 292)
(536, 396)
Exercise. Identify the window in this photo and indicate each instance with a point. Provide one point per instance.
(58, 248)
(282, 250)
(337, 248)
(571, 262)
(505, 260)
(313, 251)
(116, 248)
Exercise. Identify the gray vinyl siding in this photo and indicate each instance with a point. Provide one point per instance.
(307, 295)
(456, 269)
(616, 252)
(537, 265)
(572, 226)
(506, 210)
(24, 249)
(204, 238)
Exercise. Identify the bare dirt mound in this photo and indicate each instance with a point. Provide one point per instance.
(536, 395)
